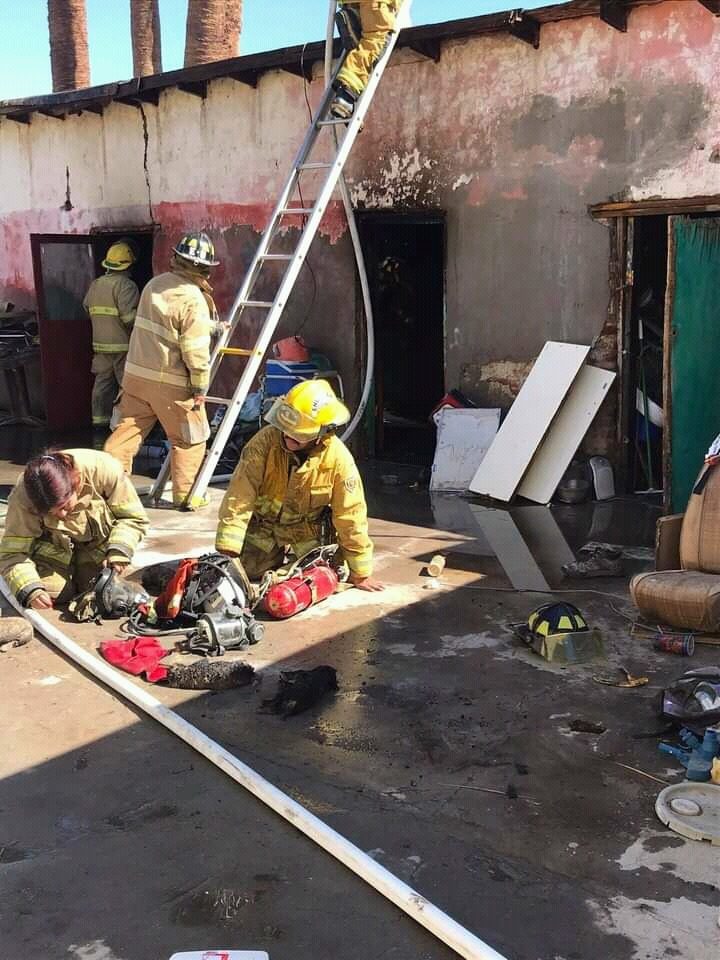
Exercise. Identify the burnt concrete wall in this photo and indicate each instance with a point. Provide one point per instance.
(510, 142)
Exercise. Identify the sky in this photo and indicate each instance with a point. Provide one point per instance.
(269, 24)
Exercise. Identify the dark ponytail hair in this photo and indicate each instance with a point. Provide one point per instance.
(50, 480)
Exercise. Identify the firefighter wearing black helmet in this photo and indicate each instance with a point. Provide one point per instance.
(168, 365)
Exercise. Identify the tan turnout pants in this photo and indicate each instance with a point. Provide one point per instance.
(63, 583)
(108, 369)
(378, 19)
(142, 404)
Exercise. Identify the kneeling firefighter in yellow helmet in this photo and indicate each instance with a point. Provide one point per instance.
(291, 476)
(111, 301)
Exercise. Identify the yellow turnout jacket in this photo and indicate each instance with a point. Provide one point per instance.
(109, 521)
(170, 342)
(111, 301)
(277, 499)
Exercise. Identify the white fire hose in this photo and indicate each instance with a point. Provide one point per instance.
(414, 904)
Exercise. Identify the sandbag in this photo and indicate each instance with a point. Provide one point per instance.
(681, 598)
(700, 535)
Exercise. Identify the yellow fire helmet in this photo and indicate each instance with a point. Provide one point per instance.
(119, 257)
(309, 410)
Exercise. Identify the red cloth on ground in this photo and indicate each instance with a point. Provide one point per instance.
(137, 656)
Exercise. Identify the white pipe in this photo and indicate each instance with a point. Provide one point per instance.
(357, 247)
(414, 904)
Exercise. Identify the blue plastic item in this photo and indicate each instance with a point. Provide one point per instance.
(682, 755)
(698, 755)
(282, 375)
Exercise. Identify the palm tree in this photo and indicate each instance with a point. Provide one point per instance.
(69, 58)
(145, 31)
(233, 27)
(213, 29)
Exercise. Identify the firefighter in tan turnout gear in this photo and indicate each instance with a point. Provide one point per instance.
(111, 301)
(168, 366)
(291, 475)
(71, 513)
(365, 27)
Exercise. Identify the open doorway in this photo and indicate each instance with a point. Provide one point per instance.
(405, 257)
(644, 337)
(64, 266)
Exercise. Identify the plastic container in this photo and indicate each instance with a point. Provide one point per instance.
(281, 376)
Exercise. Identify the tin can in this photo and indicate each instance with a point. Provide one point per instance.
(683, 645)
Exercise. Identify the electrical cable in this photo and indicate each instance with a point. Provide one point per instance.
(359, 259)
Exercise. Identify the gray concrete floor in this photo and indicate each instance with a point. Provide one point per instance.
(117, 842)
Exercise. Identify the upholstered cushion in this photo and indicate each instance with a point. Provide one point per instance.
(681, 598)
(700, 536)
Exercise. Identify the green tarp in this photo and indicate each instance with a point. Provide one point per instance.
(695, 368)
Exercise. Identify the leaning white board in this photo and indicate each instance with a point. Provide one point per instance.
(528, 420)
(463, 438)
(565, 434)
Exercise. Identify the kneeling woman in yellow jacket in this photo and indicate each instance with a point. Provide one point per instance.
(72, 512)
(289, 476)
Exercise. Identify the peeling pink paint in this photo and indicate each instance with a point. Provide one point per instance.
(510, 143)
(518, 192)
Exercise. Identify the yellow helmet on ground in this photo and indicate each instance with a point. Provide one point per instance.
(119, 257)
(309, 410)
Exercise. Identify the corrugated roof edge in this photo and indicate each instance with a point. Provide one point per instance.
(426, 40)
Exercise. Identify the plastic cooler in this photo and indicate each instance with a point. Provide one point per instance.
(282, 375)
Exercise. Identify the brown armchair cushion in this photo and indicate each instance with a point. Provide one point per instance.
(700, 536)
(682, 598)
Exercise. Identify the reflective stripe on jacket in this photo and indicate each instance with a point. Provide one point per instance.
(108, 517)
(285, 498)
(111, 301)
(170, 342)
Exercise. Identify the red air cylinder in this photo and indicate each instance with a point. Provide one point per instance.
(285, 599)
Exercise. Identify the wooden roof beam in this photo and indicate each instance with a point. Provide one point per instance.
(615, 14)
(431, 49)
(521, 25)
(198, 88)
(249, 77)
(142, 96)
(303, 68)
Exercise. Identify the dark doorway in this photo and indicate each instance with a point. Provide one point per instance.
(644, 337)
(64, 267)
(405, 257)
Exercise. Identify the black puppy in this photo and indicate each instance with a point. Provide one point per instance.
(301, 689)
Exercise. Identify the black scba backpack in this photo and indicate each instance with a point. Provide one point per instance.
(694, 698)
(205, 599)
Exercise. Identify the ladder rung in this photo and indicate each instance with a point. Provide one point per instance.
(315, 165)
(301, 211)
(276, 256)
(221, 400)
(235, 352)
(333, 123)
(263, 304)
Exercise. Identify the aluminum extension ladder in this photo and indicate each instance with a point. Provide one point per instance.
(341, 146)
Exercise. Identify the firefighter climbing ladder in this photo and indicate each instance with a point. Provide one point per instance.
(341, 146)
